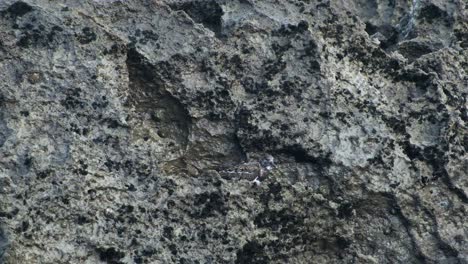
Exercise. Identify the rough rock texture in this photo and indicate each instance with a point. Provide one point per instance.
(117, 119)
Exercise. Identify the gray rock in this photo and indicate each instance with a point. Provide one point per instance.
(116, 118)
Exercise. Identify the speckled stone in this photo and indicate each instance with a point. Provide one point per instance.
(115, 117)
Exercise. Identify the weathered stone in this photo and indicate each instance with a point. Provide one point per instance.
(121, 121)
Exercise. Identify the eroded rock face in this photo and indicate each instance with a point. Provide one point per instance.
(119, 118)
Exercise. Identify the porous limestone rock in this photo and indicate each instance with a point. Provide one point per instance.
(117, 116)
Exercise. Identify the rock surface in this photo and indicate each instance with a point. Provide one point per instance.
(117, 119)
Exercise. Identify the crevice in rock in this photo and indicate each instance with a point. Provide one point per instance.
(447, 249)
(240, 148)
(395, 206)
(435, 158)
(454, 189)
(301, 155)
(442, 172)
(148, 95)
(408, 37)
(208, 13)
(321, 165)
(416, 49)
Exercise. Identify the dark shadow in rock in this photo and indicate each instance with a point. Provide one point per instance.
(431, 12)
(86, 36)
(371, 29)
(252, 252)
(321, 163)
(394, 226)
(209, 204)
(462, 36)
(3, 244)
(18, 9)
(110, 255)
(389, 34)
(415, 49)
(208, 13)
(148, 95)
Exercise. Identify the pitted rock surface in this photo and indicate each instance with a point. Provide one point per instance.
(117, 116)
